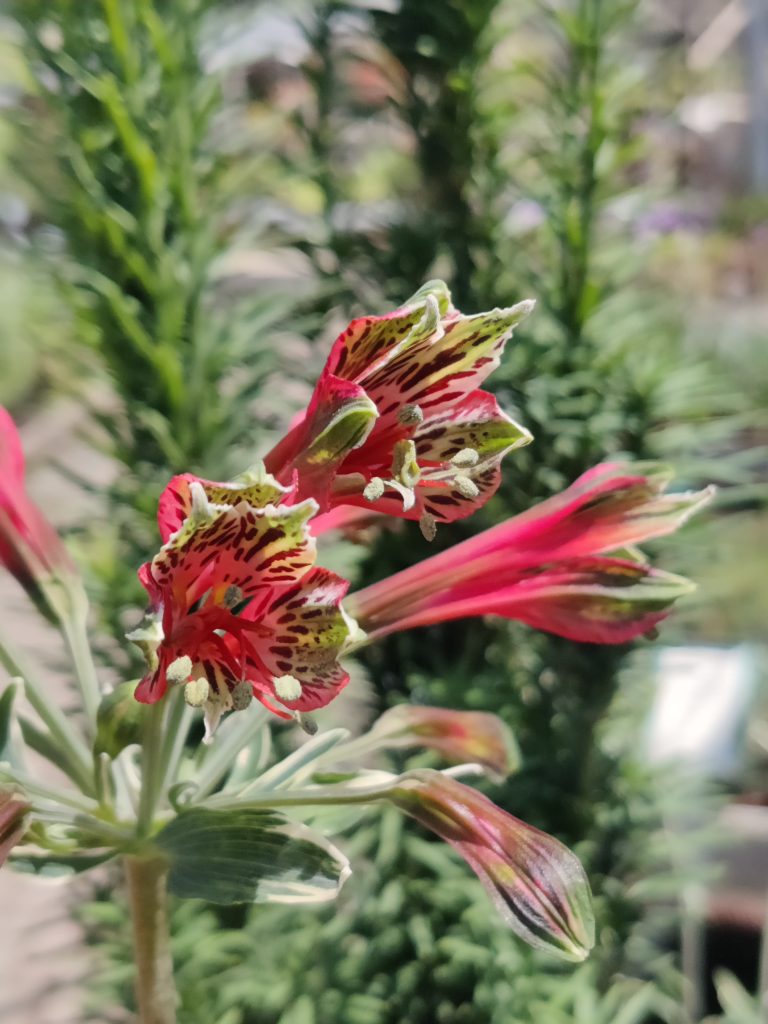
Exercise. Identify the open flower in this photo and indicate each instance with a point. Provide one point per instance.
(30, 548)
(237, 608)
(552, 566)
(537, 884)
(397, 421)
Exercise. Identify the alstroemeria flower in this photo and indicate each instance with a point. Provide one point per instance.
(537, 884)
(30, 548)
(458, 736)
(566, 566)
(237, 608)
(13, 811)
(397, 422)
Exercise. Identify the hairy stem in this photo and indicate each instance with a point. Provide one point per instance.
(148, 899)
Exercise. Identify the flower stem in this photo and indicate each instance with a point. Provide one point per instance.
(76, 759)
(148, 897)
(151, 767)
(74, 628)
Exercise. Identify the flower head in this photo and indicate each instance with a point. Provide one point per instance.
(397, 421)
(537, 885)
(567, 565)
(237, 607)
(30, 548)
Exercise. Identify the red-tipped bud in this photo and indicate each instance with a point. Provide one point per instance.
(30, 548)
(537, 884)
(13, 811)
(458, 736)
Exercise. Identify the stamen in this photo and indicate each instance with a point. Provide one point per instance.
(374, 489)
(405, 467)
(232, 596)
(179, 670)
(197, 692)
(465, 458)
(467, 488)
(428, 526)
(287, 688)
(307, 723)
(242, 695)
(406, 493)
(410, 416)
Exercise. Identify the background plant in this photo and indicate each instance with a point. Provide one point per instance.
(511, 135)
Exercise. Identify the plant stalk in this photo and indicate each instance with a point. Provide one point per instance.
(156, 996)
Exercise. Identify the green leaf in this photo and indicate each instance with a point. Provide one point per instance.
(249, 856)
(57, 865)
(738, 1005)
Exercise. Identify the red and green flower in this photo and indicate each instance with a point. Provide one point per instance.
(398, 422)
(237, 606)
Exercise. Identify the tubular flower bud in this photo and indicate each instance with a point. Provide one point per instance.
(566, 566)
(13, 811)
(536, 884)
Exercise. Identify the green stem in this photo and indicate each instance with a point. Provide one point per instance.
(174, 738)
(74, 630)
(148, 897)
(151, 767)
(75, 755)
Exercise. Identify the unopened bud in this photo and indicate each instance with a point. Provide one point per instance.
(287, 688)
(374, 489)
(196, 692)
(428, 526)
(242, 695)
(467, 488)
(465, 458)
(179, 670)
(410, 416)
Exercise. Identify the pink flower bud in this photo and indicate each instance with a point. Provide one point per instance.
(12, 813)
(537, 884)
(30, 548)
(567, 566)
(459, 736)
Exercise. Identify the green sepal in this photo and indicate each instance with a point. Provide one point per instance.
(348, 429)
(438, 290)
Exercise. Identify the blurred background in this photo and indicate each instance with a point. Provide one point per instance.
(195, 196)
